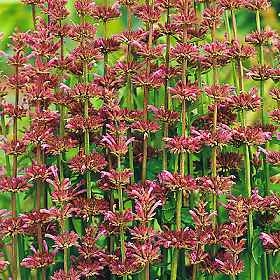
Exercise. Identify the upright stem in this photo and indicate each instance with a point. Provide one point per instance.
(175, 254)
(166, 92)
(86, 115)
(61, 109)
(130, 92)
(121, 209)
(14, 174)
(33, 7)
(145, 107)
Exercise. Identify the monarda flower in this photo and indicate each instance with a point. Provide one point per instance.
(114, 179)
(180, 144)
(145, 127)
(62, 275)
(117, 220)
(38, 172)
(260, 72)
(148, 53)
(34, 219)
(39, 259)
(145, 205)
(229, 264)
(231, 4)
(153, 80)
(89, 268)
(79, 124)
(14, 147)
(216, 53)
(148, 13)
(83, 7)
(116, 145)
(220, 137)
(122, 268)
(180, 239)
(107, 45)
(229, 161)
(245, 101)
(11, 227)
(258, 5)
(271, 241)
(275, 115)
(64, 240)
(56, 10)
(163, 115)
(147, 253)
(211, 17)
(188, 92)
(82, 163)
(14, 111)
(56, 145)
(142, 233)
(217, 185)
(241, 52)
(249, 135)
(86, 208)
(275, 94)
(175, 182)
(62, 190)
(218, 92)
(261, 38)
(184, 52)
(3, 265)
(105, 13)
(14, 184)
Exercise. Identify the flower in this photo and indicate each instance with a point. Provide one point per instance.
(117, 220)
(218, 92)
(62, 275)
(14, 184)
(257, 4)
(39, 259)
(115, 179)
(211, 17)
(249, 135)
(175, 182)
(180, 239)
(117, 145)
(82, 163)
(188, 92)
(245, 101)
(231, 4)
(270, 241)
(145, 127)
(64, 240)
(217, 185)
(62, 190)
(263, 37)
(11, 226)
(180, 144)
(229, 264)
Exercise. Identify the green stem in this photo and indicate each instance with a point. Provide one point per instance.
(121, 209)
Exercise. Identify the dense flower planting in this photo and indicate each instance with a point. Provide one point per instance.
(131, 155)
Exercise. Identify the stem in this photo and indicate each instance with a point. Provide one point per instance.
(145, 108)
(145, 158)
(14, 174)
(194, 272)
(4, 133)
(147, 271)
(121, 209)
(130, 93)
(33, 7)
